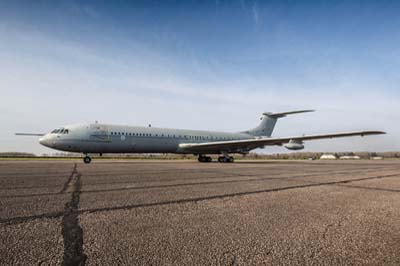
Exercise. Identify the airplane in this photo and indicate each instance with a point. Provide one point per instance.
(97, 138)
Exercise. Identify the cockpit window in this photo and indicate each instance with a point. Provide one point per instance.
(60, 131)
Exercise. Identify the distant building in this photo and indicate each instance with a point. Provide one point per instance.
(350, 157)
(328, 157)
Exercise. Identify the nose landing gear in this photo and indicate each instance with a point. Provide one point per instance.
(87, 159)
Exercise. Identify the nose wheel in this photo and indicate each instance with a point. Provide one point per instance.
(87, 159)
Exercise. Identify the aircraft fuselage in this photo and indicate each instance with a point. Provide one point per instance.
(101, 138)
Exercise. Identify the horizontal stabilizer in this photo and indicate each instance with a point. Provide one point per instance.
(30, 134)
(278, 115)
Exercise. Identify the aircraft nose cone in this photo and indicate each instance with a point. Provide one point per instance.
(45, 141)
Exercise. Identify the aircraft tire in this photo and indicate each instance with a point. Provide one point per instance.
(223, 159)
(87, 159)
(204, 159)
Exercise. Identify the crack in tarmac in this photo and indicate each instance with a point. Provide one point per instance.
(68, 183)
(22, 219)
(197, 199)
(77, 193)
(221, 174)
(287, 178)
(71, 230)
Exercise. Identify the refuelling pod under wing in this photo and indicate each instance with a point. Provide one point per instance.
(294, 145)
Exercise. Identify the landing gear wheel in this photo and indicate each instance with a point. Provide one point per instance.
(204, 159)
(87, 159)
(223, 159)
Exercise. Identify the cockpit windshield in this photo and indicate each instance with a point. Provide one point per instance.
(60, 131)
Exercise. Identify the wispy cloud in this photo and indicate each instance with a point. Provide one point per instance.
(256, 16)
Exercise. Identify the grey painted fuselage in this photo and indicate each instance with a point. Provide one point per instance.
(104, 138)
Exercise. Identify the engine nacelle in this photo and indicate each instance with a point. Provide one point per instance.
(294, 145)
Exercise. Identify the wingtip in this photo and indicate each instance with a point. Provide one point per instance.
(376, 132)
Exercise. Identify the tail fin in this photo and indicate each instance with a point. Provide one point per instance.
(268, 121)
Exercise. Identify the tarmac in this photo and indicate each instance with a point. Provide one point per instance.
(189, 213)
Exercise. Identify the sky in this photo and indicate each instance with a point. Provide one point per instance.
(214, 65)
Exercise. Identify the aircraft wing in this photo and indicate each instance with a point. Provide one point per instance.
(249, 144)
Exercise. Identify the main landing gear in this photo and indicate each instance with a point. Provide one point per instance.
(221, 159)
(87, 159)
(204, 159)
(225, 159)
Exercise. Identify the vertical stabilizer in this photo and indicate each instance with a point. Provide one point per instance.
(268, 121)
